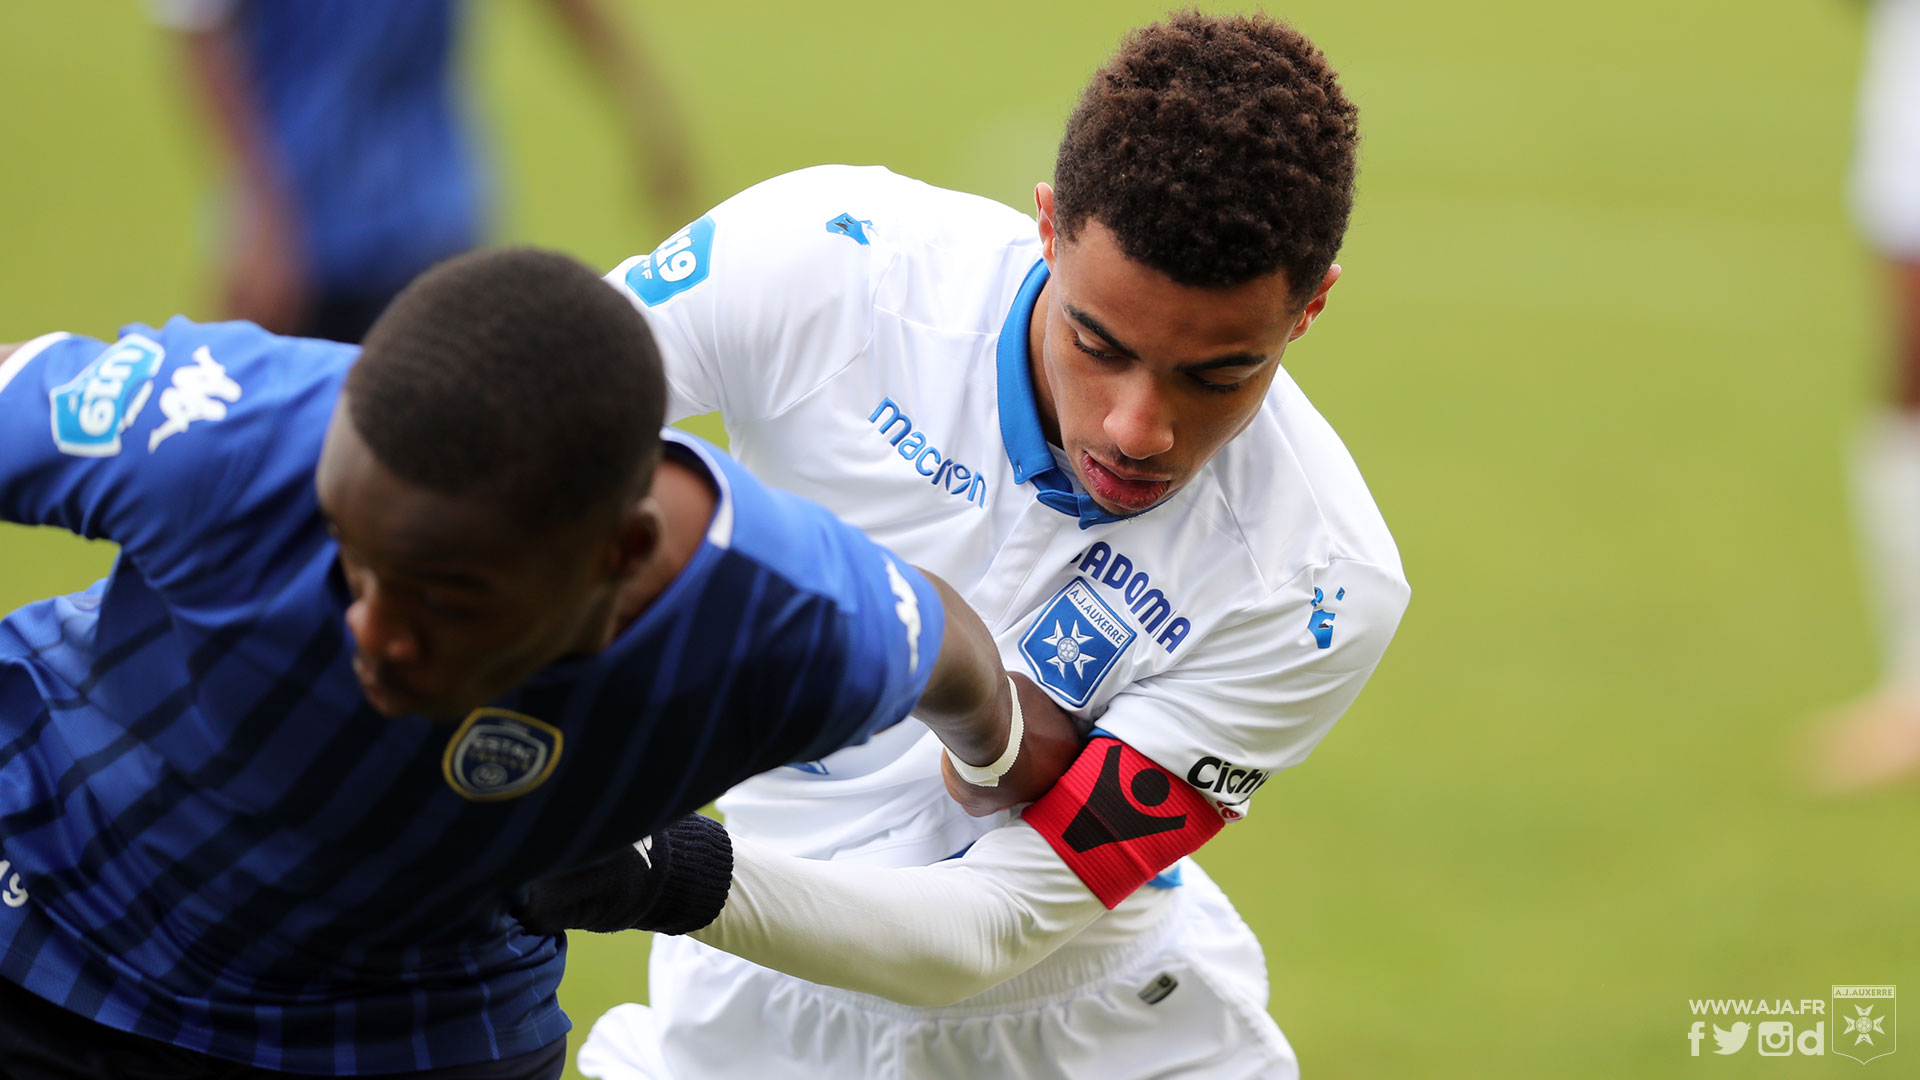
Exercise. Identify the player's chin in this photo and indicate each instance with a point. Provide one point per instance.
(391, 700)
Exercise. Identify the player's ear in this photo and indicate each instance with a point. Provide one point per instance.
(1316, 305)
(636, 536)
(1043, 209)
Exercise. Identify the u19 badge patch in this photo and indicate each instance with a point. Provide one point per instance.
(1075, 641)
(497, 754)
(677, 265)
(92, 409)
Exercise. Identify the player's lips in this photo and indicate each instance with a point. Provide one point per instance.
(1132, 491)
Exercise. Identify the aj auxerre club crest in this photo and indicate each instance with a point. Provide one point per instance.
(1075, 641)
(1865, 1022)
(497, 754)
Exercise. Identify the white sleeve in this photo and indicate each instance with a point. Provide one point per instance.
(923, 935)
(759, 302)
(1260, 691)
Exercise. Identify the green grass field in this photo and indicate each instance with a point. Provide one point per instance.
(1603, 335)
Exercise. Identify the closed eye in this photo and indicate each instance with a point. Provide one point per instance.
(1098, 354)
(1219, 388)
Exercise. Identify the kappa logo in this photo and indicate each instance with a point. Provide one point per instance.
(677, 265)
(200, 392)
(1109, 817)
(1320, 621)
(1075, 641)
(91, 410)
(497, 754)
(906, 607)
(851, 227)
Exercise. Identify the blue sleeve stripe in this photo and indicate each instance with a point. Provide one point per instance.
(25, 355)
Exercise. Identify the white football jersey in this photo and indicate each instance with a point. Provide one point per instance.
(864, 338)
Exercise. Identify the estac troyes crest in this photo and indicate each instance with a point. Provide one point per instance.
(497, 754)
(1075, 641)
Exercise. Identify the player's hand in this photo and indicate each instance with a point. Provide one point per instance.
(673, 882)
(1052, 741)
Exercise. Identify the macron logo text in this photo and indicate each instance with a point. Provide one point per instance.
(941, 471)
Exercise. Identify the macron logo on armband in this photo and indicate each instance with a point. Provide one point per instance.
(675, 266)
(200, 392)
(92, 409)
(907, 607)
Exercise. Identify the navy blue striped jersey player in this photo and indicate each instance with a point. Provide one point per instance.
(209, 838)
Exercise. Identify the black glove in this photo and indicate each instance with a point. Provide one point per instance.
(673, 882)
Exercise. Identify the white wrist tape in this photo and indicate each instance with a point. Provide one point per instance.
(989, 775)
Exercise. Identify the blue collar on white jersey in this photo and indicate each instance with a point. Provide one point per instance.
(1020, 417)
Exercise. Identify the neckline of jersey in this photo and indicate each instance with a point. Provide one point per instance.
(1026, 442)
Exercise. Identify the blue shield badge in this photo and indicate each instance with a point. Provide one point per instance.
(1074, 642)
(497, 754)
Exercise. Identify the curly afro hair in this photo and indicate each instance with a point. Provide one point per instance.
(1218, 149)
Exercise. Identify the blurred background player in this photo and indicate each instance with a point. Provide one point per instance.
(1879, 738)
(392, 634)
(1084, 424)
(352, 165)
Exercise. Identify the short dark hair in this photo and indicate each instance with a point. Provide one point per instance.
(517, 376)
(1218, 149)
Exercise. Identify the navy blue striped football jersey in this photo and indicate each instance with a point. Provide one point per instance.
(209, 838)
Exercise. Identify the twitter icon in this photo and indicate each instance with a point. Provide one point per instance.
(1730, 1042)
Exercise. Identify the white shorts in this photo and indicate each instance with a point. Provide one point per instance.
(1187, 998)
(1886, 172)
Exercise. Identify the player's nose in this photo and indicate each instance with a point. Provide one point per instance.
(1140, 423)
(379, 628)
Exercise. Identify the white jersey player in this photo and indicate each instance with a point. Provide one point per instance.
(1878, 739)
(1094, 442)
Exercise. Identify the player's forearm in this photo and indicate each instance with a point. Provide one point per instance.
(970, 704)
(923, 936)
(967, 702)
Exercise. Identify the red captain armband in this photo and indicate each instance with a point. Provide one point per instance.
(1118, 819)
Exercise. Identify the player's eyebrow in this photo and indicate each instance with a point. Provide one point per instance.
(1105, 335)
(1243, 359)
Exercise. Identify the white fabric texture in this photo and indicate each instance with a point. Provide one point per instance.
(924, 935)
(1186, 998)
(1886, 172)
